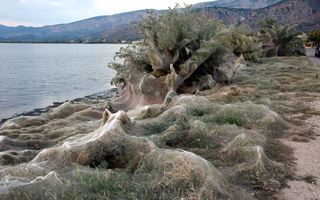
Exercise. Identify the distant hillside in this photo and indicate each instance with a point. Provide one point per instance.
(96, 29)
(251, 4)
(115, 28)
(304, 13)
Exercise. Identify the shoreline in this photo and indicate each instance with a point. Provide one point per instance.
(106, 94)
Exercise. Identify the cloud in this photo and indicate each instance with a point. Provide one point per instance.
(58, 4)
(125, 5)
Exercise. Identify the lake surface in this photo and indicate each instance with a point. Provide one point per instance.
(35, 75)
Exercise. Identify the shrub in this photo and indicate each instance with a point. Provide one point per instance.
(314, 37)
(280, 40)
(182, 51)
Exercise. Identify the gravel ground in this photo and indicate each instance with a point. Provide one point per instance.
(308, 163)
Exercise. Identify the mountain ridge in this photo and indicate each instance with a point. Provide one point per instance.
(122, 26)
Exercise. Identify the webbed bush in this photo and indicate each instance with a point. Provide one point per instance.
(182, 51)
(242, 41)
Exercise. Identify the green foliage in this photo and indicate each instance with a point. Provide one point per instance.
(177, 30)
(224, 118)
(267, 24)
(280, 40)
(134, 57)
(102, 184)
(157, 127)
(242, 41)
(201, 140)
(314, 36)
(179, 36)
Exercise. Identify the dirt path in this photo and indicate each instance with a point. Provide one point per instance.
(308, 164)
(310, 54)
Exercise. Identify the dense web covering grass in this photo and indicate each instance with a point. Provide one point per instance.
(195, 149)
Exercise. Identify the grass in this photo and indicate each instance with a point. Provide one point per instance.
(105, 184)
(201, 140)
(215, 115)
(158, 126)
(225, 118)
(240, 114)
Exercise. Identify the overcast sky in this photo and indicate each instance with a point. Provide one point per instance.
(48, 12)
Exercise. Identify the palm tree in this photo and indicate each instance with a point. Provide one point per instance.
(267, 23)
(280, 40)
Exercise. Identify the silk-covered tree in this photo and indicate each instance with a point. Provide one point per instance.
(182, 51)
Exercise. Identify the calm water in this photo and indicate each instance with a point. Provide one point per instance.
(35, 75)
